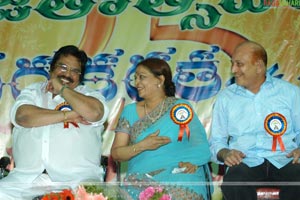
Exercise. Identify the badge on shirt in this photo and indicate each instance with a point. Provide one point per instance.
(66, 107)
(275, 124)
(182, 114)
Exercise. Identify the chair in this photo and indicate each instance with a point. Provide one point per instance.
(104, 164)
(111, 169)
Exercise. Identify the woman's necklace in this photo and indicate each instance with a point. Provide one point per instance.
(160, 112)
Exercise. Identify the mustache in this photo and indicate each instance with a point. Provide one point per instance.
(66, 78)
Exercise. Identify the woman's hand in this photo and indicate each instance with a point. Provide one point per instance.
(190, 168)
(153, 141)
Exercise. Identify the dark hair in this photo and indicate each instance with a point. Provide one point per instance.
(160, 67)
(70, 50)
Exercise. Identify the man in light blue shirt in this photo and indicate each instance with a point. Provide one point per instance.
(256, 128)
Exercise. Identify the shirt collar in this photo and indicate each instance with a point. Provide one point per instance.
(269, 79)
(241, 90)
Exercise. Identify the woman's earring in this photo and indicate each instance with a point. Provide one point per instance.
(158, 85)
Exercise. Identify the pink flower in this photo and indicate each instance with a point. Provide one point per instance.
(159, 189)
(165, 197)
(154, 193)
(147, 193)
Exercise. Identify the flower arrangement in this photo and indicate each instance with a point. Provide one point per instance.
(100, 192)
(83, 193)
(154, 193)
(63, 195)
(88, 192)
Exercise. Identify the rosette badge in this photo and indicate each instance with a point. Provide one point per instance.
(66, 107)
(275, 124)
(182, 114)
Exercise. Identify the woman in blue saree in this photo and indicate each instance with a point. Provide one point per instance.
(162, 138)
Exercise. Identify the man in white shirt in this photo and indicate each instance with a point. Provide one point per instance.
(57, 129)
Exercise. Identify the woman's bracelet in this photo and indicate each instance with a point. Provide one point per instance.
(62, 90)
(134, 149)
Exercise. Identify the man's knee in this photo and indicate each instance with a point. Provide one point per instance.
(237, 173)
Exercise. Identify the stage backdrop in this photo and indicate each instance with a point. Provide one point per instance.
(196, 37)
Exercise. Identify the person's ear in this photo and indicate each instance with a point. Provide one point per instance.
(161, 80)
(260, 66)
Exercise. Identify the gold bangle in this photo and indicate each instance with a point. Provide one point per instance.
(134, 149)
(65, 116)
